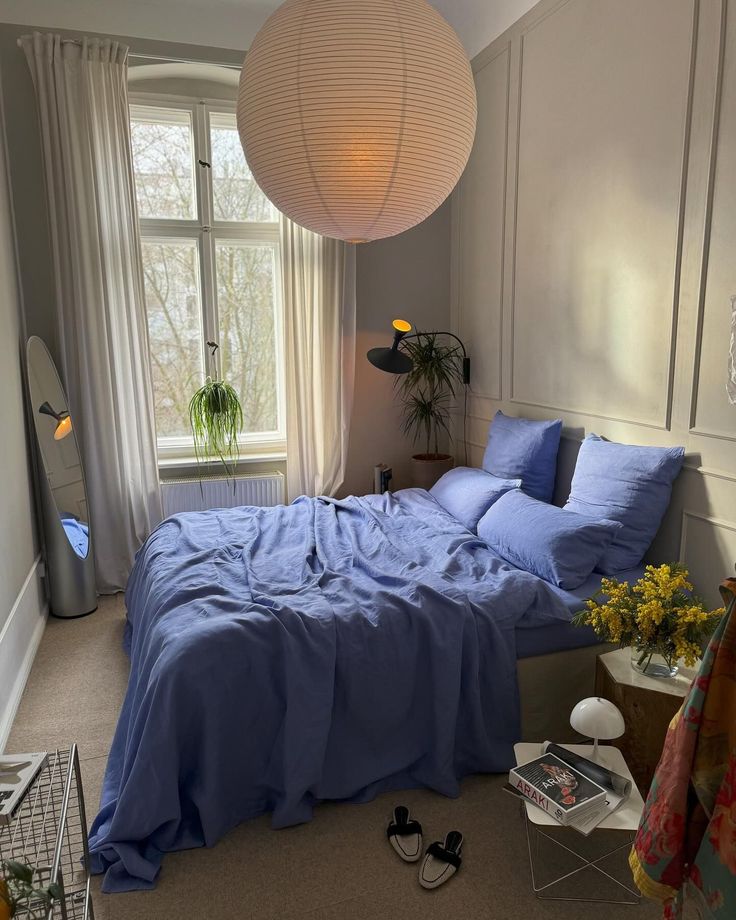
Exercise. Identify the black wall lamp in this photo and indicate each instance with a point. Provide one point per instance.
(63, 420)
(394, 361)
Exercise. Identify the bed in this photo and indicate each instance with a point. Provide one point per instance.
(326, 650)
(556, 664)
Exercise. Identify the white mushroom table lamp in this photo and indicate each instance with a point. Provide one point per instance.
(598, 719)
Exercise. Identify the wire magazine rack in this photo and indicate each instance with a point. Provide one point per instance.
(48, 831)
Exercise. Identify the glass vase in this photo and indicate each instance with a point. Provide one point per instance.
(654, 661)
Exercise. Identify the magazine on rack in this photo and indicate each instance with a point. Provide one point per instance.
(17, 772)
(616, 787)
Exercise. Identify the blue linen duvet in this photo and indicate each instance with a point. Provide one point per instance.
(322, 650)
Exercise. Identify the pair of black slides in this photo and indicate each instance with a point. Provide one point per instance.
(441, 861)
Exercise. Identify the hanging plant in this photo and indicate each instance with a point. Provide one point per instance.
(216, 419)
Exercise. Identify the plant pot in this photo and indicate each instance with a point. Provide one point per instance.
(426, 469)
(650, 662)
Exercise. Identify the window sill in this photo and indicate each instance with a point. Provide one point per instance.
(266, 456)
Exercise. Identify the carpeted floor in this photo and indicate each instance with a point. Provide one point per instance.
(338, 867)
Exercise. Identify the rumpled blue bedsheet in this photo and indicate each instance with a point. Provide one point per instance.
(322, 650)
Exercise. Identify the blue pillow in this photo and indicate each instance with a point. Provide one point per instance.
(519, 448)
(624, 483)
(560, 546)
(468, 493)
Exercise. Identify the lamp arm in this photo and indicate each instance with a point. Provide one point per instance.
(465, 358)
(416, 335)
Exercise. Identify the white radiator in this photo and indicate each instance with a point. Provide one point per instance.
(193, 494)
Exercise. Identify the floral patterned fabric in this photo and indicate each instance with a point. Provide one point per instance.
(686, 843)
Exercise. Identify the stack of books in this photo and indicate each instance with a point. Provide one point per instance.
(573, 790)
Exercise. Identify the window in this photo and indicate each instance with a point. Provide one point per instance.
(210, 244)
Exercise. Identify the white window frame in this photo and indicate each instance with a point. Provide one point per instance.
(207, 231)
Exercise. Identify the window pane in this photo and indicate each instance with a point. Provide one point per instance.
(163, 159)
(235, 193)
(173, 302)
(245, 298)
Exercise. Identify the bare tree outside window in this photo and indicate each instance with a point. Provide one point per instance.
(210, 245)
(246, 271)
(235, 193)
(171, 270)
(164, 165)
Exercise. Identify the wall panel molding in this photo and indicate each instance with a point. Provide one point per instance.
(465, 301)
(710, 553)
(662, 420)
(707, 227)
(689, 515)
(562, 410)
(670, 183)
(719, 435)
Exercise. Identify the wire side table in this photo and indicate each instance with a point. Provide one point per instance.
(624, 822)
(48, 832)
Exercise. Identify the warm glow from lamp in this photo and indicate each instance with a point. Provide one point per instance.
(357, 117)
(63, 428)
(401, 325)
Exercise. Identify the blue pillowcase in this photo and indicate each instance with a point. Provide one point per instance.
(519, 448)
(468, 493)
(625, 483)
(560, 546)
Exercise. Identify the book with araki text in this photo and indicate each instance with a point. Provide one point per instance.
(556, 787)
(17, 772)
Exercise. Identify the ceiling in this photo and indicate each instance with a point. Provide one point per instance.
(229, 23)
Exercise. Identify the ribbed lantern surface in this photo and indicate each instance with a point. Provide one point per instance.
(356, 116)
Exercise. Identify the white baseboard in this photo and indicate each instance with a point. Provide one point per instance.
(19, 641)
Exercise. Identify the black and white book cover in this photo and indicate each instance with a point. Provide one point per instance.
(17, 772)
(556, 787)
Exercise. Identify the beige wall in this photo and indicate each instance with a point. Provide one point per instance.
(22, 605)
(406, 276)
(591, 276)
(17, 540)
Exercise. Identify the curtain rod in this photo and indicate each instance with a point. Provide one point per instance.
(169, 59)
(178, 60)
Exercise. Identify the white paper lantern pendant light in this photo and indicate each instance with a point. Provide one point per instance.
(357, 117)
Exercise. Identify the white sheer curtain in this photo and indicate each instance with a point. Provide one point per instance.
(319, 312)
(81, 88)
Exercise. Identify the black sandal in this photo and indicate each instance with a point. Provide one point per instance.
(405, 835)
(442, 861)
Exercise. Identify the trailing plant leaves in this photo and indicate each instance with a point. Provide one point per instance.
(216, 419)
(17, 890)
(20, 871)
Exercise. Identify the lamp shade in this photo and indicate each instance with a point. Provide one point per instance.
(63, 420)
(357, 117)
(597, 718)
(391, 359)
(63, 428)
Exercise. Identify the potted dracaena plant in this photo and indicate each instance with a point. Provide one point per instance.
(426, 395)
(216, 419)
